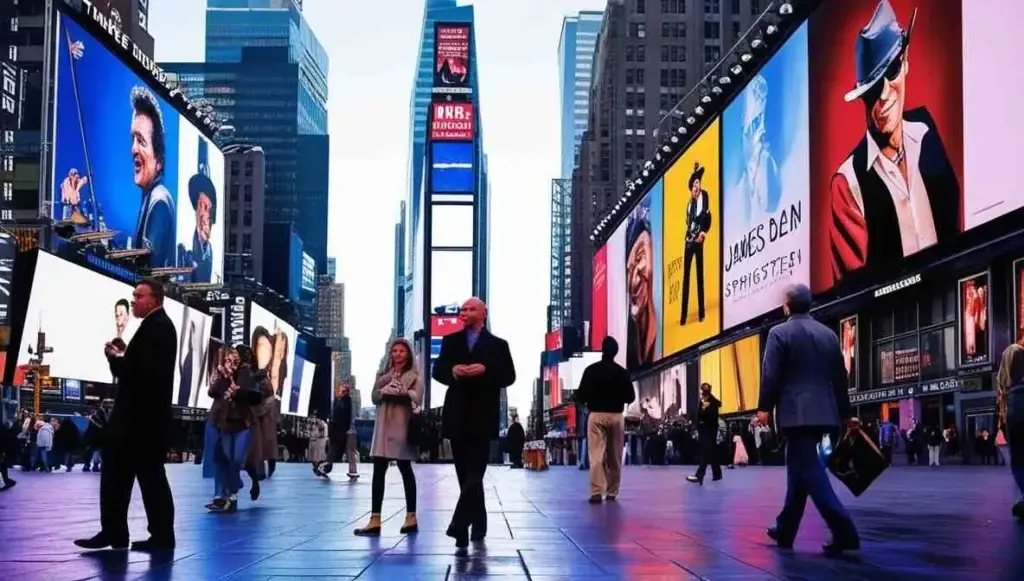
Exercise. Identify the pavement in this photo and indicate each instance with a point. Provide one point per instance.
(916, 523)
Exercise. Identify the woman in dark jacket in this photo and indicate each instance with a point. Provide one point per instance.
(237, 387)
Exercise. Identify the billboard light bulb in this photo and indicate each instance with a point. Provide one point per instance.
(716, 90)
(657, 156)
(674, 139)
(682, 130)
(646, 173)
(746, 57)
(691, 120)
(724, 80)
(591, 237)
(648, 165)
(757, 44)
(698, 110)
(736, 70)
(706, 99)
(772, 29)
(666, 149)
(786, 9)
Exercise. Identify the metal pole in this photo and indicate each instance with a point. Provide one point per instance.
(37, 389)
(45, 143)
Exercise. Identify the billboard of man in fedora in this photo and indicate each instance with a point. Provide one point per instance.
(698, 223)
(897, 189)
(203, 195)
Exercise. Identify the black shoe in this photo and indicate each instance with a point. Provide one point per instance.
(9, 484)
(611, 498)
(695, 479)
(773, 534)
(217, 505)
(367, 532)
(596, 499)
(716, 479)
(1018, 509)
(478, 537)
(102, 541)
(409, 530)
(232, 506)
(86, 469)
(461, 537)
(837, 547)
(254, 492)
(152, 544)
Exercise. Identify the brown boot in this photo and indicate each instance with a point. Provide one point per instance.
(411, 526)
(372, 529)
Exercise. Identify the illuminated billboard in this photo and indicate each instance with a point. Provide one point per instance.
(451, 121)
(452, 169)
(126, 161)
(273, 342)
(451, 56)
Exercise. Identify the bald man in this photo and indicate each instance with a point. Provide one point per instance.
(476, 366)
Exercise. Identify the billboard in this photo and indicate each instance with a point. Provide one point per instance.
(451, 56)
(848, 341)
(973, 310)
(125, 160)
(766, 189)
(643, 276)
(452, 167)
(887, 132)
(301, 384)
(77, 330)
(692, 245)
(273, 342)
(616, 317)
(599, 298)
(308, 282)
(8, 252)
(451, 121)
(1018, 299)
(734, 372)
(440, 327)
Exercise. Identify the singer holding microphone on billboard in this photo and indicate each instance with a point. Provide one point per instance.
(139, 429)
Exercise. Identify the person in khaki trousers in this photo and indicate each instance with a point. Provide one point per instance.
(605, 389)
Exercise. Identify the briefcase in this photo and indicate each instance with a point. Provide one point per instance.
(856, 461)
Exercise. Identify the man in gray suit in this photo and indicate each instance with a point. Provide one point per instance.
(803, 379)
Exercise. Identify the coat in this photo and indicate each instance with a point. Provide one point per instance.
(472, 405)
(390, 431)
(45, 437)
(264, 430)
(318, 442)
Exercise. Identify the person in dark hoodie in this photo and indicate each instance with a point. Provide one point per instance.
(605, 389)
(707, 436)
(515, 439)
(65, 443)
(339, 432)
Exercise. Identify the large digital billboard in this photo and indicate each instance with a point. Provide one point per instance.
(452, 170)
(616, 320)
(273, 341)
(599, 298)
(887, 132)
(734, 373)
(451, 121)
(77, 326)
(125, 160)
(451, 56)
(643, 280)
(766, 210)
(8, 252)
(692, 245)
(301, 387)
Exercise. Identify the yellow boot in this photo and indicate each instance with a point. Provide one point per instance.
(372, 529)
(410, 527)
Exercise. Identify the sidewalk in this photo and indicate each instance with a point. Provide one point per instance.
(952, 524)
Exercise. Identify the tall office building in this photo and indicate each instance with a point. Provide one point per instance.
(332, 268)
(246, 169)
(398, 304)
(462, 212)
(330, 313)
(575, 71)
(266, 73)
(648, 56)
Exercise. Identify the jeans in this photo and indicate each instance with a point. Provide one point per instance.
(231, 451)
(1015, 435)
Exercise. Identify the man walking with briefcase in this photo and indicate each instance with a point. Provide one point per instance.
(804, 380)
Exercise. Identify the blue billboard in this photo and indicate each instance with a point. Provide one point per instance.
(126, 161)
(452, 170)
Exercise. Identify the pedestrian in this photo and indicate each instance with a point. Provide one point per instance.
(605, 390)
(934, 436)
(397, 393)
(318, 446)
(707, 437)
(804, 381)
(44, 443)
(476, 366)
(342, 431)
(139, 428)
(1010, 398)
(515, 439)
(887, 435)
(66, 443)
(9, 450)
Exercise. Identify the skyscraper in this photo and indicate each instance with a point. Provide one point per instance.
(575, 70)
(398, 304)
(266, 74)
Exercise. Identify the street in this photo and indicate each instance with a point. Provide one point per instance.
(915, 523)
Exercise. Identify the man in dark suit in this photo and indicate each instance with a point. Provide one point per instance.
(476, 366)
(698, 223)
(138, 431)
(804, 380)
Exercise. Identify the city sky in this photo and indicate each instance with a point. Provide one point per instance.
(373, 48)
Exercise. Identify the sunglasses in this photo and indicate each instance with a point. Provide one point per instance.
(892, 72)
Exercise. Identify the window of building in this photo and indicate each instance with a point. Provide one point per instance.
(641, 53)
(673, 6)
(641, 6)
(664, 83)
(234, 218)
(247, 193)
(712, 54)
(637, 30)
(246, 242)
(629, 76)
(247, 218)
(234, 192)
(232, 244)
(234, 168)
(735, 7)
(664, 53)
(630, 100)
(755, 7)
(712, 6)
(639, 76)
(735, 30)
(712, 31)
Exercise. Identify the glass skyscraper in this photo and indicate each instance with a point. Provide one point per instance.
(575, 68)
(266, 75)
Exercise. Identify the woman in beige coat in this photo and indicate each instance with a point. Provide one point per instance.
(397, 393)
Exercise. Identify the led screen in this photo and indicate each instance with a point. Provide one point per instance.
(125, 160)
(301, 387)
(617, 320)
(642, 280)
(273, 341)
(734, 372)
(452, 169)
(77, 327)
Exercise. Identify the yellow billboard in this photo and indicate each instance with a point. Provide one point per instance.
(692, 243)
(734, 372)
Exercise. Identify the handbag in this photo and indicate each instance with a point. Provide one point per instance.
(856, 461)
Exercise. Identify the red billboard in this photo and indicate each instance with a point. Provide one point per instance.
(451, 55)
(442, 325)
(451, 122)
(599, 298)
(553, 340)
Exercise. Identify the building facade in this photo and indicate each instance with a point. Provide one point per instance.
(246, 177)
(649, 54)
(266, 74)
(560, 299)
(398, 304)
(575, 71)
(330, 315)
(282, 260)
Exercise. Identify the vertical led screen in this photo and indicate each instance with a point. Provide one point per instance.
(991, 173)
(886, 124)
(734, 372)
(848, 341)
(765, 153)
(273, 342)
(452, 167)
(8, 252)
(125, 160)
(692, 246)
(647, 403)
(599, 298)
(617, 315)
(440, 327)
(1018, 299)
(673, 392)
(973, 315)
(451, 121)
(451, 55)
(643, 280)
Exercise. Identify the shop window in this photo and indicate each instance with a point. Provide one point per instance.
(884, 373)
(938, 307)
(881, 325)
(904, 318)
(938, 353)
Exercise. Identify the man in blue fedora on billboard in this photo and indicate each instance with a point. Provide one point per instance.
(897, 189)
